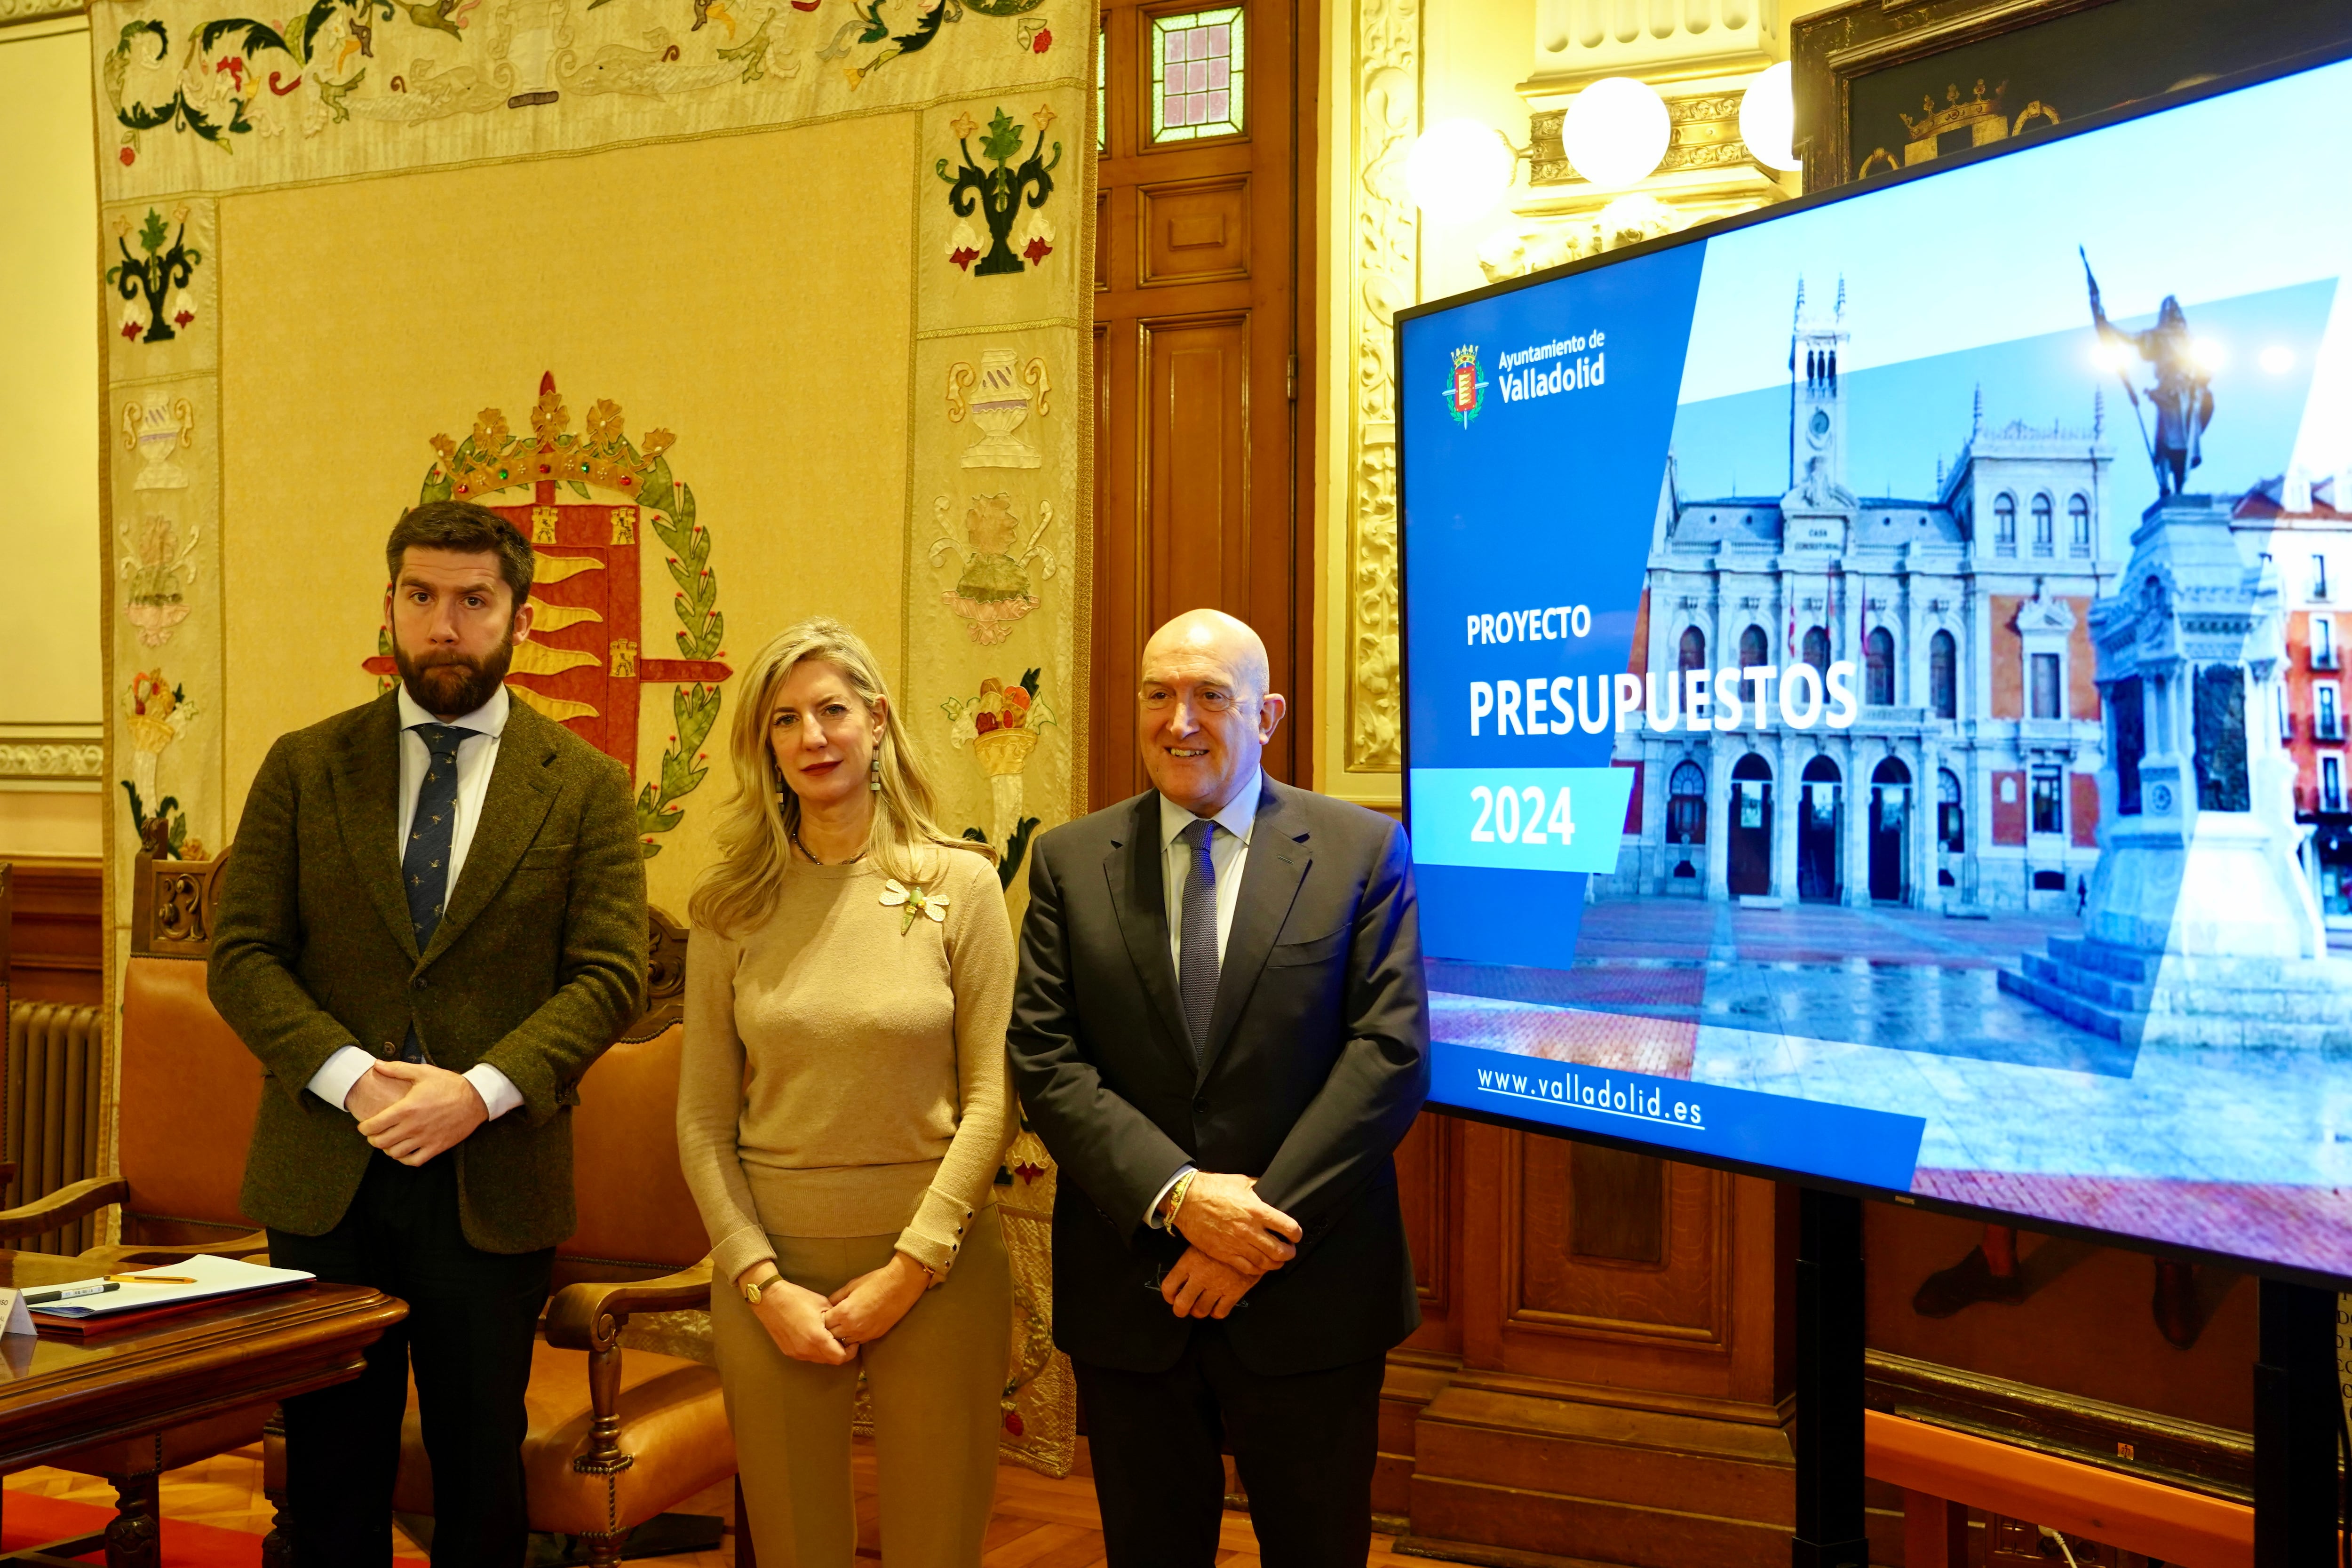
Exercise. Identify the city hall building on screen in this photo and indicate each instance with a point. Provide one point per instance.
(1970, 775)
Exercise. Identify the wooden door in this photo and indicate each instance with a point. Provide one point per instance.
(1199, 316)
(1596, 1376)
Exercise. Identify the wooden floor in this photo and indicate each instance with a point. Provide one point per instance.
(1039, 1522)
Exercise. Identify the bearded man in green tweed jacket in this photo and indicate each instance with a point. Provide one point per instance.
(433, 924)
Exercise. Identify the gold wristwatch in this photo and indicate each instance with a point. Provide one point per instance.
(753, 1292)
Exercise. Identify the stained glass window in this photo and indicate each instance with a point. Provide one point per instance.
(1196, 75)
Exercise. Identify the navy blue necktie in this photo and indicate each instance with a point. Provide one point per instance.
(1196, 981)
(432, 829)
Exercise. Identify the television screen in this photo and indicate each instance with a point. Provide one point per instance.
(1874, 693)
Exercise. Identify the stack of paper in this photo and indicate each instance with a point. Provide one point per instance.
(211, 1278)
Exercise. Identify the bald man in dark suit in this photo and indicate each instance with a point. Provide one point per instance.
(1221, 1032)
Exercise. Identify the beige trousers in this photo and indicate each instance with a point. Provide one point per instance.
(936, 1380)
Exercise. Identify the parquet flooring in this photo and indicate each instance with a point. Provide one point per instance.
(1039, 1522)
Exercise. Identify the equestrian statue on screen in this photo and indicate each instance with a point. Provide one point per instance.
(2183, 393)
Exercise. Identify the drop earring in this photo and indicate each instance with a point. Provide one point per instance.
(874, 773)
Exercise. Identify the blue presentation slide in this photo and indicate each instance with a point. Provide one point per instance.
(1874, 705)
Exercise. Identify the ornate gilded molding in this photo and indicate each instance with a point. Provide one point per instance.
(51, 755)
(1556, 239)
(1384, 261)
(1705, 136)
(12, 12)
(1577, 44)
(1707, 172)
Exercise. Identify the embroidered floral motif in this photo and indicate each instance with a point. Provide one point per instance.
(872, 27)
(214, 85)
(157, 565)
(166, 265)
(1002, 726)
(230, 80)
(914, 901)
(157, 714)
(998, 194)
(994, 590)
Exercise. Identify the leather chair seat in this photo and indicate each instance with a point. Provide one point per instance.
(673, 1423)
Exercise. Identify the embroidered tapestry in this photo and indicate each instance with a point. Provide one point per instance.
(740, 309)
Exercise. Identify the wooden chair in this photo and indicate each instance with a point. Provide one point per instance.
(188, 1094)
(613, 1441)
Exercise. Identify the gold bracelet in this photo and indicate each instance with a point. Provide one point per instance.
(1176, 1195)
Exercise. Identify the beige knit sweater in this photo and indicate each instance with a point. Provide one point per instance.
(843, 1073)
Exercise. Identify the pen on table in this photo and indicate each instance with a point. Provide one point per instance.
(39, 1297)
(155, 1278)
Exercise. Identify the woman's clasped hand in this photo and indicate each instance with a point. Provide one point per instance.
(870, 1306)
(795, 1318)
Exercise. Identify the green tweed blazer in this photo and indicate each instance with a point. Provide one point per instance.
(537, 966)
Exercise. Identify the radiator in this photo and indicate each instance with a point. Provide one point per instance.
(56, 1068)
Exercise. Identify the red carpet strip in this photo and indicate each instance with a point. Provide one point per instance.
(27, 1520)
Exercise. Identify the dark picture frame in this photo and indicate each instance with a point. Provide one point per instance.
(1885, 85)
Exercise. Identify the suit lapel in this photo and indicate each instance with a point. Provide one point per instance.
(1278, 858)
(1139, 893)
(512, 808)
(367, 813)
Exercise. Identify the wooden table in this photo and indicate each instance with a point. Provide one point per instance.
(59, 1394)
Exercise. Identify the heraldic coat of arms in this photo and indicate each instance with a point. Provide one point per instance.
(585, 500)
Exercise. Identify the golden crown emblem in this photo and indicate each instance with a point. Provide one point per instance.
(495, 459)
(1958, 114)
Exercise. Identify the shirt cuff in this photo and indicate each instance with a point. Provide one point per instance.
(1151, 1213)
(497, 1091)
(332, 1082)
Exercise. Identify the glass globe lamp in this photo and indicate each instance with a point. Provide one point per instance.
(1458, 169)
(1768, 117)
(1615, 132)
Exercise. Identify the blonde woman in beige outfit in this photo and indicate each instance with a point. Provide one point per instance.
(842, 1104)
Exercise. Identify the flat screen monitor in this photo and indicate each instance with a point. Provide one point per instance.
(1875, 694)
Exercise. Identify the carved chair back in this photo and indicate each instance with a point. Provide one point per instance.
(190, 1090)
(638, 1220)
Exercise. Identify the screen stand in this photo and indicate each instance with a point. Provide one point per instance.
(1829, 1383)
(2295, 1415)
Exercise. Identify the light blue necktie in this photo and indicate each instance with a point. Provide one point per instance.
(1196, 982)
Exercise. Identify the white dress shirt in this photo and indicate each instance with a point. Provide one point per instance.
(476, 755)
(1229, 844)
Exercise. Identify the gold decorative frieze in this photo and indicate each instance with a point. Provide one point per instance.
(1384, 261)
(52, 756)
(1705, 136)
(12, 12)
(1580, 41)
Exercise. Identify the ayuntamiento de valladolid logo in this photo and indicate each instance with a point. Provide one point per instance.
(1466, 392)
(1564, 364)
